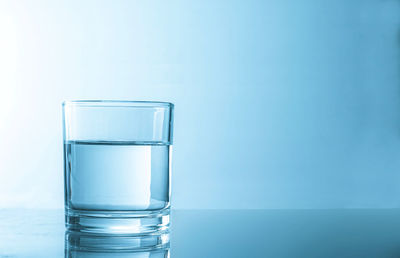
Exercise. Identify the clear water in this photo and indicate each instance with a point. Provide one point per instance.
(117, 176)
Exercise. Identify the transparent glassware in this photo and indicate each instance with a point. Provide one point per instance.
(117, 160)
(94, 245)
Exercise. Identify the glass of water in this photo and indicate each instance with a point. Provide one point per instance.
(117, 161)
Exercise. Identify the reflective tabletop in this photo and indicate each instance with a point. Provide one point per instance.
(220, 233)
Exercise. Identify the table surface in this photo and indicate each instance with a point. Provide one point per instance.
(226, 233)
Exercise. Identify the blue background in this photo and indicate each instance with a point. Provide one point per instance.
(279, 104)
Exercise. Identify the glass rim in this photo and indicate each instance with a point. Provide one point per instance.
(118, 103)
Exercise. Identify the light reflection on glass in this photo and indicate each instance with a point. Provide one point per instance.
(79, 244)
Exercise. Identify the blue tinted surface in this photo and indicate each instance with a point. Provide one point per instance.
(224, 233)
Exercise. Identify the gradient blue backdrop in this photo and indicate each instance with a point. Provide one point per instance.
(279, 104)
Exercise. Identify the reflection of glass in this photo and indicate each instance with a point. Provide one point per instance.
(117, 166)
(93, 245)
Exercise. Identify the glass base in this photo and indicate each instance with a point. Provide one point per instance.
(117, 223)
(156, 244)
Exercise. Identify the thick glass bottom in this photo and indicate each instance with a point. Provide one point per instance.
(78, 244)
(117, 223)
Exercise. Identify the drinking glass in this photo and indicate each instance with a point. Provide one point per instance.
(117, 162)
